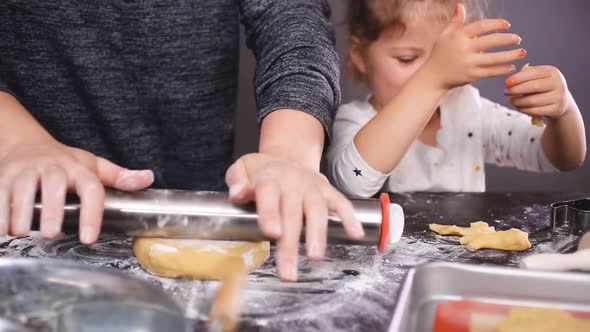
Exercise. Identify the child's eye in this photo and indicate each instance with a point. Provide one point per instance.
(406, 60)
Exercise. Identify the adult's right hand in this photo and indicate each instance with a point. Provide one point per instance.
(55, 169)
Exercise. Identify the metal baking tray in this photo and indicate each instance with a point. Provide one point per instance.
(55, 295)
(427, 285)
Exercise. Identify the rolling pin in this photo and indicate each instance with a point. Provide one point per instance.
(211, 216)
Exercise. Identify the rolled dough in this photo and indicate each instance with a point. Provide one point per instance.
(198, 259)
(478, 227)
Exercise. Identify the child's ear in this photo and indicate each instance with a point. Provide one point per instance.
(355, 53)
(458, 19)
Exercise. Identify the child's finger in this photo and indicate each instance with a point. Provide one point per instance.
(533, 86)
(532, 73)
(496, 40)
(538, 111)
(494, 71)
(496, 58)
(534, 100)
(485, 26)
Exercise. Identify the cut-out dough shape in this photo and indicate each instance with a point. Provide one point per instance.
(198, 259)
(542, 320)
(512, 239)
(478, 227)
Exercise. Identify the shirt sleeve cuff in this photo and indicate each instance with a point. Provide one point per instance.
(354, 176)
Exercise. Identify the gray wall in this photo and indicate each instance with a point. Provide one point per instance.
(553, 32)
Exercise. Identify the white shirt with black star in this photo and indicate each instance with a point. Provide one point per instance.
(474, 131)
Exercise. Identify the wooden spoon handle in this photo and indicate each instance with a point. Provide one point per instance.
(224, 315)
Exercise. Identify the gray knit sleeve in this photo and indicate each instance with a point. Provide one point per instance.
(297, 65)
(3, 85)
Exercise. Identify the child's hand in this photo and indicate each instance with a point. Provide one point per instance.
(53, 168)
(539, 91)
(459, 57)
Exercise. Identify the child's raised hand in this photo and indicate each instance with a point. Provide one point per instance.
(539, 91)
(460, 55)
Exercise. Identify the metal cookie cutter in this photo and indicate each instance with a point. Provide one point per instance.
(575, 217)
(574, 213)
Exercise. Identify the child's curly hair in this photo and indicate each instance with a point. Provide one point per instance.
(368, 18)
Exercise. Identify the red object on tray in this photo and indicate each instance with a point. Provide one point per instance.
(473, 316)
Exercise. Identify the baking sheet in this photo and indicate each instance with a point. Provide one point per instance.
(434, 283)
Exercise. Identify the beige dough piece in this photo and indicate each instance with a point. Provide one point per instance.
(478, 227)
(198, 259)
(512, 239)
(542, 320)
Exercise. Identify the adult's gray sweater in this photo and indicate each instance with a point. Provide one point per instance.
(152, 84)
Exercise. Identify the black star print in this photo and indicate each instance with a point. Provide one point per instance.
(508, 114)
(470, 135)
(532, 140)
(510, 133)
(358, 172)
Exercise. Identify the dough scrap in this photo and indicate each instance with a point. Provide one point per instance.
(481, 235)
(198, 259)
(478, 227)
(512, 239)
(542, 320)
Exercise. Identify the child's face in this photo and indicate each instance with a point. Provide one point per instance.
(389, 61)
